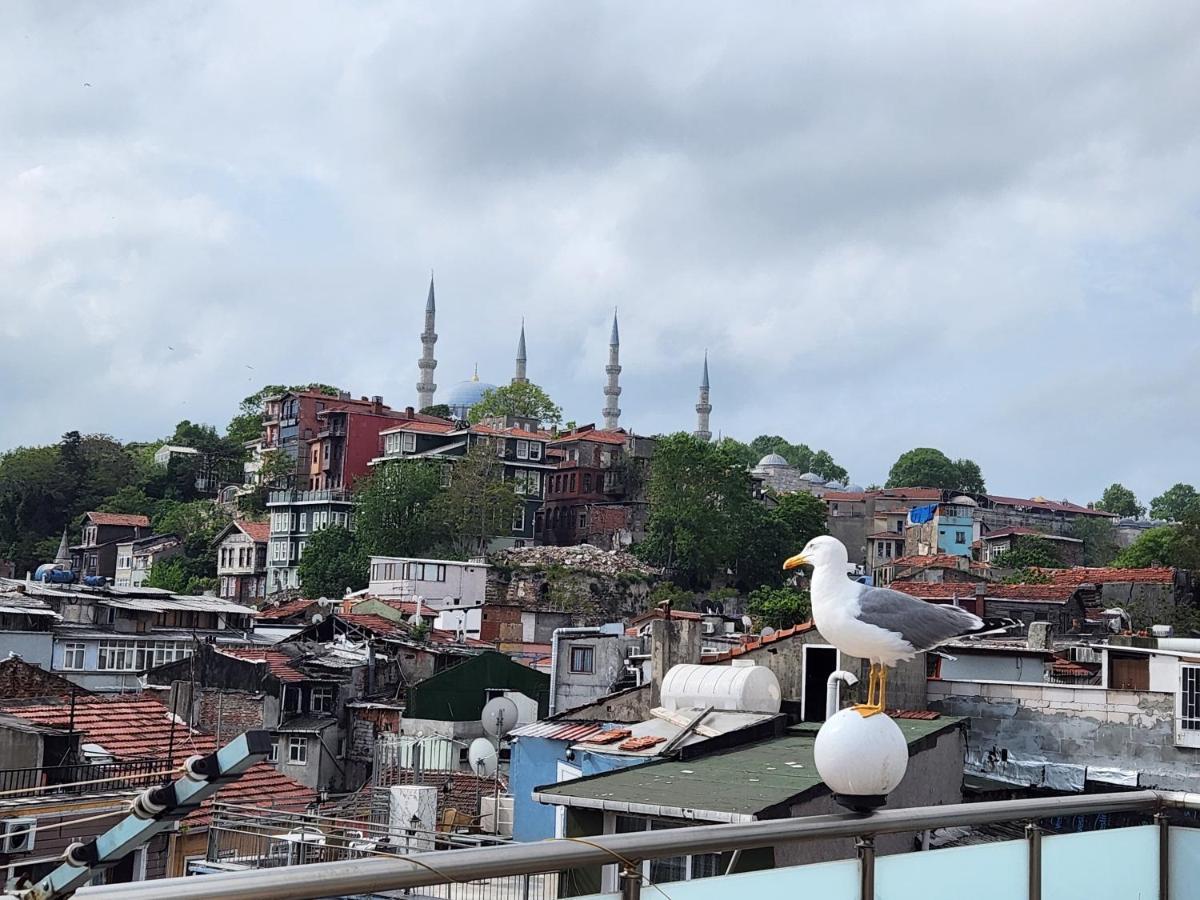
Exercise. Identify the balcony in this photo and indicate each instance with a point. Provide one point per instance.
(83, 778)
(333, 495)
(1147, 850)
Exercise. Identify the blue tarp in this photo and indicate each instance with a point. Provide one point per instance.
(922, 514)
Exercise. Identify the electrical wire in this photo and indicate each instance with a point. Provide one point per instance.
(630, 864)
(63, 823)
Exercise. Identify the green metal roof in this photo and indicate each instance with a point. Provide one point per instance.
(729, 786)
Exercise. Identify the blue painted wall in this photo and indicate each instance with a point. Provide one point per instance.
(533, 763)
(948, 528)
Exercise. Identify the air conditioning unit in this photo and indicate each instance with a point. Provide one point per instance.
(17, 835)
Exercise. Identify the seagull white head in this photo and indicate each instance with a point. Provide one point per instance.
(821, 552)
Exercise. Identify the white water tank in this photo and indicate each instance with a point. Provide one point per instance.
(734, 688)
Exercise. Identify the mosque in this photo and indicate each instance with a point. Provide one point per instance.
(462, 396)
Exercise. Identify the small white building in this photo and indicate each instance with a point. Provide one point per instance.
(452, 588)
(164, 454)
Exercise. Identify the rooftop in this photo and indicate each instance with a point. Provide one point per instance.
(761, 641)
(130, 521)
(728, 786)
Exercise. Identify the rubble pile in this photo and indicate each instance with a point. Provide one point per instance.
(583, 557)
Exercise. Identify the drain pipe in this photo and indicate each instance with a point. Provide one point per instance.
(554, 637)
(833, 700)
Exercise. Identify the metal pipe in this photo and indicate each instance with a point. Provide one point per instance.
(1033, 835)
(470, 864)
(554, 636)
(833, 699)
(866, 867)
(1164, 855)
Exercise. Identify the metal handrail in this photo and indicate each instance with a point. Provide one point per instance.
(364, 876)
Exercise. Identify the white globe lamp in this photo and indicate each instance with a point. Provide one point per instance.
(861, 759)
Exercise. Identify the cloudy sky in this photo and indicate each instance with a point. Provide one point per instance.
(975, 227)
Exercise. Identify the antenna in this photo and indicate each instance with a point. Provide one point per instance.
(482, 757)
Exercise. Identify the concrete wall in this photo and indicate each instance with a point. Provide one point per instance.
(573, 689)
(934, 778)
(1061, 736)
(20, 749)
(993, 667)
(35, 647)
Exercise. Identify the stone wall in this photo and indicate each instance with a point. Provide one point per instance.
(229, 712)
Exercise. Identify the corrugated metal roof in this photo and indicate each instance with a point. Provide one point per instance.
(559, 731)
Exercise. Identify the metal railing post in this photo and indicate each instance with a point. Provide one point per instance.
(1033, 835)
(865, 846)
(631, 880)
(1164, 855)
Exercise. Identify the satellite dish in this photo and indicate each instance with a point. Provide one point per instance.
(415, 619)
(499, 716)
(747, 623)
(768, 631)
(482, 757)
(317, 619)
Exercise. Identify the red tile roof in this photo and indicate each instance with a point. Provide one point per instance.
(560, 731)
(849, 496)
(409, 608)
(591, 433)
(259, 532)
(761, 641)
(1091, 575)
(910, 493)
(139, 727)
(285, 609)
(1045, 593)
(938, 560)
(1052, 505)
(895, 535)
(659, 613)
(131, 521)
(278, 664)
(512, 432)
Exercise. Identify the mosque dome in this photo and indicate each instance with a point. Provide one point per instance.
(853, 488)
(772, 459)
(812, 477)
(462, 396)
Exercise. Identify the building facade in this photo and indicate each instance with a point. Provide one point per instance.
(294, 517)
(96, 552)
(136, 559)
(242, 561)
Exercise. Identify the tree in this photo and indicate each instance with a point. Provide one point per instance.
(1175, 502)
(1153, 547)
(399, 512)
(132, 500)
(780, 607)
(1099, 537)
(478, 504)
(522, 398)
(196, 524)
(441, 410)
(930, 468)
(823, 465)
(699, 496)
(1029, 551)
(743, 453)
(246, 426)
(679, 598)
(1120, 500)
(333, 562)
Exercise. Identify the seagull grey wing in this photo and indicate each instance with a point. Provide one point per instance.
(923, 625)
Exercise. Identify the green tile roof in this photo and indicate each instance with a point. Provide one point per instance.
(727, 786)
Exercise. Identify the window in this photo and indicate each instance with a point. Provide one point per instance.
(535, 450)
(273, 754)
(518, 521)
(303, 522)
(73, 656)
(572, 488)
(960, 537)
(587, 482)
(426, 572)
(279, 551)
(583, 660)
(298, 751)
(583, 518)
(675, 868)
(522, 449)
(320, 700)
(408, 443)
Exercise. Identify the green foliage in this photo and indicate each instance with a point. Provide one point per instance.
(778, 607)
(665, 590)
(333, 562)
(801, 456)
(246, 426)
(1099, 537)
(1029, 551)
(743, 453)
(520, 399)
(130, 500)
(399, 510)
(1175, 502)
(1028, 576)
(1167, 545)
(169, 575)
(196, 524)
(478, 504)
(1120, 500)
(927, 467)
(441, 410)
(699, 500)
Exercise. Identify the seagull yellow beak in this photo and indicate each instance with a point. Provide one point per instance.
(795, 562)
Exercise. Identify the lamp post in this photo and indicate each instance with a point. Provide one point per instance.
(862, 759)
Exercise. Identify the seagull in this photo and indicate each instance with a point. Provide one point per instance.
(877, 624)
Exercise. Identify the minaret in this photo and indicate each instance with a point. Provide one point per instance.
(426, 387)
(612, 390)
(519, 377)
(703, 408)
